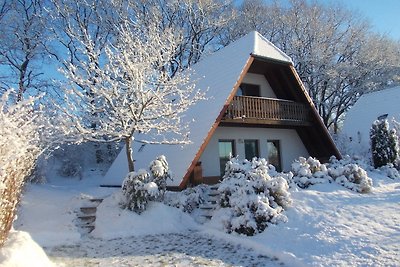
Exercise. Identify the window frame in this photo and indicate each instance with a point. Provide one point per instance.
(257, 148)
(277, 144)
(233, 143)
(244, 88)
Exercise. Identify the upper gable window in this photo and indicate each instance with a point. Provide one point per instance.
(246, 89)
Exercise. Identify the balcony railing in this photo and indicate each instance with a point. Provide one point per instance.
(249, 109)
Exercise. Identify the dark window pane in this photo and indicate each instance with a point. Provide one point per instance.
(274, 155)
(249, 90)
(226, 151)
(251, 149)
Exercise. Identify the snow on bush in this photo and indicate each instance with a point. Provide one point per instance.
(253, 198)
(390, 171)
(142, 186)
(384, 143)
(345, 172)
(308, 172)
(188, 199)
(19, 149)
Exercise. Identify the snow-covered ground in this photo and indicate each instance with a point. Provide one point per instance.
(328, 225)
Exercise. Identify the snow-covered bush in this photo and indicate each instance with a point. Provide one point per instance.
(188, 199)
(308, 172)
(253, 197)
(160, 172)
(19, 149)
(345, 172)
(390, 171)
(350, 175)
(70, 168)
(142, 186)
(384, 143)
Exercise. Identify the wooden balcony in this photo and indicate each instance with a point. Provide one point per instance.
(269, 111)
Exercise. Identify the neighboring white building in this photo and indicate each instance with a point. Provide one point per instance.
(359, 119)
(257, 106)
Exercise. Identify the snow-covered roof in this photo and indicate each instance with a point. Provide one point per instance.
(218, 74)
(367, 109)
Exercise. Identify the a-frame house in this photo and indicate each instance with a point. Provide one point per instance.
(256, 106)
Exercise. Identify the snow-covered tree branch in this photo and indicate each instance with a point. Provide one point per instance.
(132, 92)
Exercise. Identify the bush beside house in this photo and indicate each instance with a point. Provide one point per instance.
(252, 197)
(142, 186)
(384, 143)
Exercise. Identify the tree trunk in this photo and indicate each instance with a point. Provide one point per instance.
(128, 146)
(21, 86)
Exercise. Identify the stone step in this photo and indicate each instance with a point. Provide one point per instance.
(86, 219)
(88, 210)
(208, 216)
(96, 200)
(214, 187)
(207, 207)
(88, 228)
(213, 198)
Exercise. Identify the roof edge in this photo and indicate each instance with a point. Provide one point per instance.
(200, 151)
(315, 113)
(274, 60)
(283, 54)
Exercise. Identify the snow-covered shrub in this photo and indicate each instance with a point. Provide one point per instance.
(345, 172)
(351, 176)
(384, 143)
(160, 172)
(19, 149)
(138, 188)
(390, 171)
(188, 199)
(70, 168)
(253, 197)
(308, 172)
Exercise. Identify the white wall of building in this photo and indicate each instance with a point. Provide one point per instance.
(359, 119)
(258, 79)
(290, 143)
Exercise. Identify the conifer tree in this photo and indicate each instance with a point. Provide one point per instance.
(384, 144)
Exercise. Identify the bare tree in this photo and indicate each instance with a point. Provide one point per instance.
(81, 31)
(132, 92)
(334, 51)
(22, 43)
(199, 24)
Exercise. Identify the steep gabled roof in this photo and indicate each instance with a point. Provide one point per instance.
(220, 74)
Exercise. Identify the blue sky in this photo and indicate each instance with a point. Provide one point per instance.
(384, 15)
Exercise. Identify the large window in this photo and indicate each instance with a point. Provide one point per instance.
(247, 89)
(251, 149)
(274, 154)
(226, 152)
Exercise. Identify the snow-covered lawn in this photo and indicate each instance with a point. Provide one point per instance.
(332, 226)
(328, 225)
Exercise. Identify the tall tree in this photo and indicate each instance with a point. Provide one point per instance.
(132, 91)
(22, 46)
(198, 24)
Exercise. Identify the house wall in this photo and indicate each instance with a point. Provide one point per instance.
(291, 146)
(265, 88)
